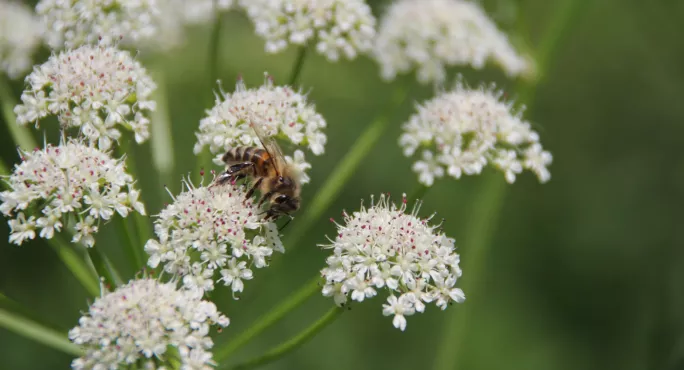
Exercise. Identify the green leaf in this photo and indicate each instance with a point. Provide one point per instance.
(32, 330)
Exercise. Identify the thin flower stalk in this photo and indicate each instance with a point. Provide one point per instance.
(21, 136)
(269, 319)
(293, 343)
(489, 203)
(35, 331)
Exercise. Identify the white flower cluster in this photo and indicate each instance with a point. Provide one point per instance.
(148, 323)
(383, 247)
(20, 35)
(430, 35)
(71, 179)
(72, 23)
(464, 130)
(97, 89)
(212, 229)
(338, 27)
(280, 112)
(148, 23)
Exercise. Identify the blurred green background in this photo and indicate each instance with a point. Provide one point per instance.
(585, 272)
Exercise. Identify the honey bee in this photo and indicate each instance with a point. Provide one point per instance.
(276, 180)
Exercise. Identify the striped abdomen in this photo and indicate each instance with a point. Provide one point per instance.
(258, 156)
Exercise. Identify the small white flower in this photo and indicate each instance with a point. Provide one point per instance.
(382, 247)
(70, 178)
(336, 290)
(445, 292)
(20, 36)
(428, 168)
(399, 308)
(361, 289)
(464, 130)
(280, 111)
(138, 322)
(431, 35)
(96, 89)
(199, 279)
(85, 229)
(22, 229)
(208, 230)
(300, 165)
(337, 27)
(235, 273)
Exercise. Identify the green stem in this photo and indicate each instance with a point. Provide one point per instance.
(418, 193)
(161, 138)
(490, 201)
(483, 221)
(142, 226)
(344, 170)
(37, 332)
(267, 320)
(203, 164)
(214, 46)
(135, 253)
(102, 267)
(12, 306)
(4, 171)
(76, 265)
(21, 135)
(299, 64)
(294, 342)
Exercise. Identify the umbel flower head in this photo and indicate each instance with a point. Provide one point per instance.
(149, 24)
(20, 35)
(72, 23)
(212, 234)
(148, 323)
(464, 130)
(382, 247)
(337, 27)
(70, 180)
(280, 112)
(97, 89)
(430, 35)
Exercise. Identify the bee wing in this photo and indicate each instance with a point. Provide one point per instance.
(271, 146)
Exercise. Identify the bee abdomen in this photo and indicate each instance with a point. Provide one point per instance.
(245, 154)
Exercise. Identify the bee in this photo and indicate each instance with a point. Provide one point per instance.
(276, 180)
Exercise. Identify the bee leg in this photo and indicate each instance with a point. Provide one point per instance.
(264, 197)
(272, 215)
(241, 166)
(287, 223)
(251, 191)
(234, 173)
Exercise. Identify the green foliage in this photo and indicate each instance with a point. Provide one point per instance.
(583, 272)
